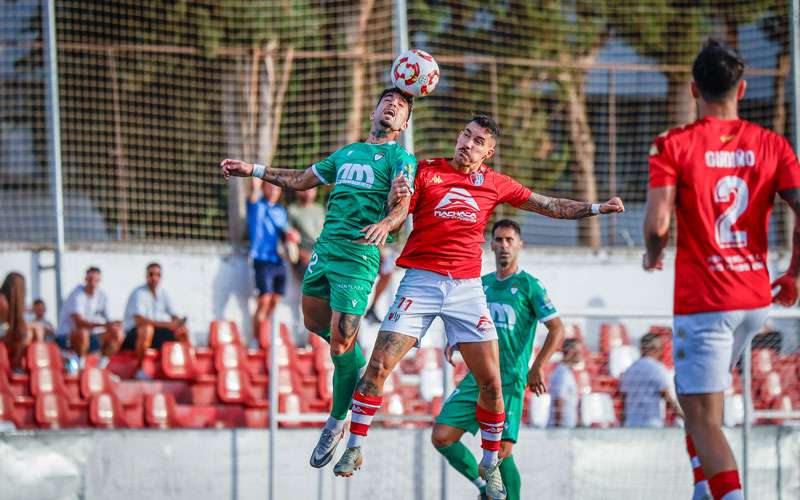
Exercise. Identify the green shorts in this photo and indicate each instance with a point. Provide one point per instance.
(343, 273)
(459, 408)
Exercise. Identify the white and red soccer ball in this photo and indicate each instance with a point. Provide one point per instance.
(415, 72)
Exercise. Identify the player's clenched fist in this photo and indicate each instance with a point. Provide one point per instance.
(787, 290)
(236, 168)
(401, 188)
(612, 206)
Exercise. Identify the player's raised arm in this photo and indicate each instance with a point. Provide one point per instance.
(378, 232)
(562, 208)
(298, 180)
(660, 203)
(555, 335)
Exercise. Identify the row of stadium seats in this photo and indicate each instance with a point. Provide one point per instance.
(226, 384)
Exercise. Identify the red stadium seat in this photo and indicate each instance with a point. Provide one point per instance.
(223, 332)
(7, 411)
(233, 386)
(95, 381)
(47, 381)
(613, 335)
(44, 355)
(229, 356)
(105, 411)
(177, 360)
(5, 365)
(159, 411)
(52, 411)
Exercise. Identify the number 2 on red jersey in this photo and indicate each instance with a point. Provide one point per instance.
(728, 186)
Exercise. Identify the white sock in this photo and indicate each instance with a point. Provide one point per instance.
(355, 441)
(489, 458)
(479, 483)
(334, 425)
(734, 495)
(701, 491)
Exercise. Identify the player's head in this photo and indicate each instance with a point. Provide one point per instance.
(477, 141)
(271, 192)
(92, 278)
(393, 110)
(717, 73)
(153, 274)
(650, 345)
(506, 243)
(39, 308)
(571, 350)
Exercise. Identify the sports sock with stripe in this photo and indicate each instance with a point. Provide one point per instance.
(461, 459)
(701, 489)
(491, 425)
(363, 411)
(726, 486)
(511, 478)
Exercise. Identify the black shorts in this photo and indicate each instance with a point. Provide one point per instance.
(270, 277)
(160, 335)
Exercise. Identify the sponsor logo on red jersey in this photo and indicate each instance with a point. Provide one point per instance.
(457, 204)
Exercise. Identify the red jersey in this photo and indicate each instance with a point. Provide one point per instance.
(726, 174)
(450, 210)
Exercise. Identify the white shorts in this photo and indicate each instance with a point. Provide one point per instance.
(706, 346)
(424, 295)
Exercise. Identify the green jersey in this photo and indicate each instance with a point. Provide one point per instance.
(517, 304)
(363, 175)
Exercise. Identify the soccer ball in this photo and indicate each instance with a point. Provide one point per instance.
(415, 72)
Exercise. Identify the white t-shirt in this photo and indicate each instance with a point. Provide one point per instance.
(563, 386)
(90, 307)
(642, 384)
(143, 303)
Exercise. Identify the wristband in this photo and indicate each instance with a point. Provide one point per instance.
(595, 208)
(259, 170)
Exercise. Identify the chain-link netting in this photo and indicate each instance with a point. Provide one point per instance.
(154, 94)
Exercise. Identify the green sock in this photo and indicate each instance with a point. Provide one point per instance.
(511, 478)
(461, 459)
(345, 378)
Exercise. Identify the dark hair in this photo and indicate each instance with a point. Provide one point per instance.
(406, 97)
(507, 223)
(153, 264)
(569, 344)
(93, 269)
(38, 301)
(488, 123)
(717, 70)
(649, 341)
(13, 288)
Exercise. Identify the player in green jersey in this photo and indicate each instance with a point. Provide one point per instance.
(517, 302)
(345, 260)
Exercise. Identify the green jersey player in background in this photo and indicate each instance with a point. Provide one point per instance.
(346, 259)
(517, 302)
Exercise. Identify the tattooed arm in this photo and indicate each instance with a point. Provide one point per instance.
(562, 208)
(298, 180)
(787, 284)
(378, 232)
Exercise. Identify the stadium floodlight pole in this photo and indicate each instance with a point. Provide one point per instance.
(401, 27)
(274, 375)
(54, 140)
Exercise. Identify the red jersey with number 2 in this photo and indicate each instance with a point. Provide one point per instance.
(726, 173)
(450, 210)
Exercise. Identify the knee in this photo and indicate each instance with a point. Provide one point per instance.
(441, 439)
(492, 389)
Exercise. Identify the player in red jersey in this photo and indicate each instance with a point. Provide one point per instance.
(452, 202)
(721, 175)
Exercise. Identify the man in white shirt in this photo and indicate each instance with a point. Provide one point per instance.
(84, 325)
(150, 319)
(564, 387)
(644, 384)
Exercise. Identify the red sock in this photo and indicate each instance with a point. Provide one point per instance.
(724, 482)
(697, 470)
(492, 425)
(363, 409)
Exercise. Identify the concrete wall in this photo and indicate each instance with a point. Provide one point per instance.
(212, 282)
(399, 464)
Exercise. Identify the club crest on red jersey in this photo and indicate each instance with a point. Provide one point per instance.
(476, 178)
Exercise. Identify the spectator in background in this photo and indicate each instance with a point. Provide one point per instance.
(13, 327)
(150, 319)
(307, 216)
(84, 325)
(267, 225)
(644, 384)
(43, 330)
(564, 387)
